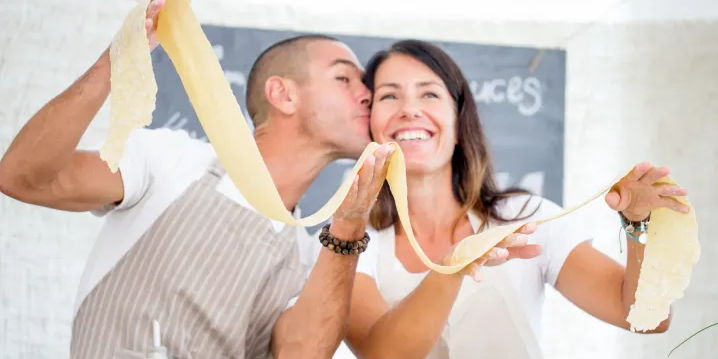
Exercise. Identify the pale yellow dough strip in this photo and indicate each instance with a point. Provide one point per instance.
(670, 254)
(133, 85)
(182, 38)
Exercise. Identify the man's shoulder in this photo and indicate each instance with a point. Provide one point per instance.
(171, 148)
(163, 134)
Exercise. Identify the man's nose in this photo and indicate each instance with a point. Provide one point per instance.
(364, 95)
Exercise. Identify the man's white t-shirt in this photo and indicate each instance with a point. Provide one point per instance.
(157, 167)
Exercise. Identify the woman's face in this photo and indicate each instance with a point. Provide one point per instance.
(412, 106)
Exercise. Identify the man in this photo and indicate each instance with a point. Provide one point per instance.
(180, 246)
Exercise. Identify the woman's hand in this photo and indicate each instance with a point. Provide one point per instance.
(513, 246)
(636, 194)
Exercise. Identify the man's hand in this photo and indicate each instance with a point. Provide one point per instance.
(42, 166)
(316, 324)
(153, 9)
(351, 218)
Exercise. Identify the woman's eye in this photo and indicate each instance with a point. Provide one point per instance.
(387, 97)
(342, 79)
(431, 95)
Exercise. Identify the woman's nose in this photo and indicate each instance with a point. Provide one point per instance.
(410, 113)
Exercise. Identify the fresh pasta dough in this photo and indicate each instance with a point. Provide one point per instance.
(670, 253)
(668, 259)
(133, 86)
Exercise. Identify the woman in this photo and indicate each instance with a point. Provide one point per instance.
(401, 310)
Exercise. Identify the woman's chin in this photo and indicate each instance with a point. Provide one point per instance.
(417, 166)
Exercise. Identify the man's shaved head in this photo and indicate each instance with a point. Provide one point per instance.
(287, 58)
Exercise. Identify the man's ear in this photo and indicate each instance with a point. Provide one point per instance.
(281, 94)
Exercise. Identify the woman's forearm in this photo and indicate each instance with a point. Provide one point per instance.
(411, 328)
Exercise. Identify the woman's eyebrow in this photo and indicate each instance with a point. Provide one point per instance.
(427, 83)
(389, 84)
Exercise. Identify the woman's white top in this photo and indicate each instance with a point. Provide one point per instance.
(499, 317)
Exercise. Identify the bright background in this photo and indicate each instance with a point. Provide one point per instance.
(642, 83)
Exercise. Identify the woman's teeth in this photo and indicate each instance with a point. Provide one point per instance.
(412, 135)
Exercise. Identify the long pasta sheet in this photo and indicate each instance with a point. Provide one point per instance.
(671, 251)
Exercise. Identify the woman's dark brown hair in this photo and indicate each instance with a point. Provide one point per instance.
(473, 182)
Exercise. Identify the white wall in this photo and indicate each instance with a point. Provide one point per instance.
(641, 84)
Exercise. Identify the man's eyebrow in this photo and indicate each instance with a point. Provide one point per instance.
(345, 62)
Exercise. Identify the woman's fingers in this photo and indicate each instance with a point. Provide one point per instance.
(520, 237)
(619, 197)
(528, 228)
(496, 256)
(524, 252)
(666, 192)
(475, 270)
(670, 190)
(638, 171)
(513, 240)
(612, 199)
(673, 204)
(654, 174)
(499, 255)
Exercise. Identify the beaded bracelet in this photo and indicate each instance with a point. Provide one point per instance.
(631, 227)
(340, 246)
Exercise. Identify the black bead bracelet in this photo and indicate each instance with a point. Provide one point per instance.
(340, 246)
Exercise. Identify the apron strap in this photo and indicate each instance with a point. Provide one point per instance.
(216, 169)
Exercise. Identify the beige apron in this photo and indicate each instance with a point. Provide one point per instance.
(213, 273)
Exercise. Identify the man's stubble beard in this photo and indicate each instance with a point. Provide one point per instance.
(311, 129)
(328, 138)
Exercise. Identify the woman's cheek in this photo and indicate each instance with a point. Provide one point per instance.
(376, 125)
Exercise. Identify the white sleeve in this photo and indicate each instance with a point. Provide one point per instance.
(368, 260)
(558, 237)
(151, 155)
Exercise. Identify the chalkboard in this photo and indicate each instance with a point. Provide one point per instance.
(520, 93)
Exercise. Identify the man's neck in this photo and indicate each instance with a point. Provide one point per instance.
(293, 162)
